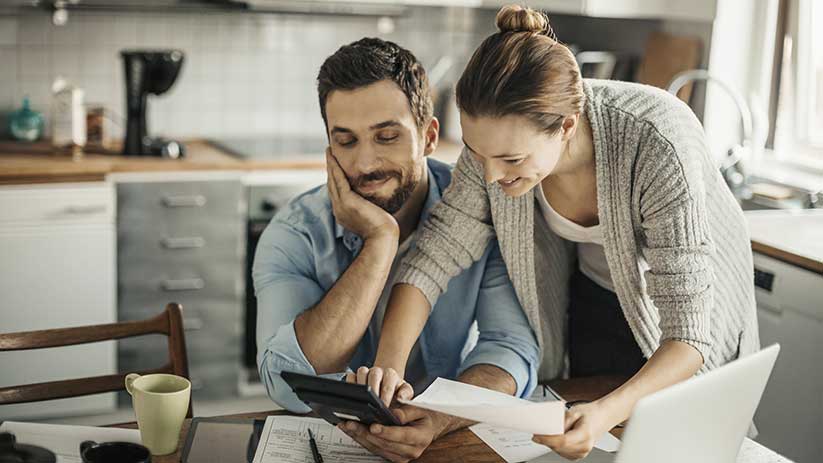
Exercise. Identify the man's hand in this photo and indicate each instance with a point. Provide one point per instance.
(387, 384)
(584, 425)
(354, 212)
(399, 444)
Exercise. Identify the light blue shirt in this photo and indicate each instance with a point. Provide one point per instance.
(303, 252)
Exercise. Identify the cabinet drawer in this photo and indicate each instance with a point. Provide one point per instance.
(167, 244)
(91, 203)
(183, 201)
(202, 346)
(225, 312)
(157, 280)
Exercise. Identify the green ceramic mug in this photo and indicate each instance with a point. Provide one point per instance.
(160, 402)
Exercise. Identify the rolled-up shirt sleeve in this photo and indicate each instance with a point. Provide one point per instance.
(505, 339)
(285, 287)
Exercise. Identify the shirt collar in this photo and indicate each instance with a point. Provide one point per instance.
(353, 242)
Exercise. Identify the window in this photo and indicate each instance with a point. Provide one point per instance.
(798, 119)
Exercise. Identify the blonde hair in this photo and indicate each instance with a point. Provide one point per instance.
(522, 70)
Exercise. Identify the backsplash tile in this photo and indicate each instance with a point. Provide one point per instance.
(244, 75)
(8, 31)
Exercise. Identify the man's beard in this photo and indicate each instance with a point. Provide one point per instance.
(398, 198)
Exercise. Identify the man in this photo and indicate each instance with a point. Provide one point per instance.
(324, 266)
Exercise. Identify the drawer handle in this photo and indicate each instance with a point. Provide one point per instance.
(184, 201)
(85, 210)
(187, 284)
(183, 242)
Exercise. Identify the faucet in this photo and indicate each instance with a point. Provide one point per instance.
(730, 165)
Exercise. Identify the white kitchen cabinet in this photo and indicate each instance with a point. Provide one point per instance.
(57, 270)
(790, 312)
(694, 10)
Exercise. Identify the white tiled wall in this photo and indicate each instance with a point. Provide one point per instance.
(245, 74)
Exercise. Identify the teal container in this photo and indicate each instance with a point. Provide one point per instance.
(26, 124)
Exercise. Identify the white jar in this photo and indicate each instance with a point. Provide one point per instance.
(68, 115)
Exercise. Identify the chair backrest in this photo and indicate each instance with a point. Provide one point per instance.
(169, 323)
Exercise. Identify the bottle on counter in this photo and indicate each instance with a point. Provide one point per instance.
(25, 124)
(68, 116)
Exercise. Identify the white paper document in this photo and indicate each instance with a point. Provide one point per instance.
(491, 407)
(512, 446)
(517, 446)
(507, 423)
(65, 440)
(285, 439)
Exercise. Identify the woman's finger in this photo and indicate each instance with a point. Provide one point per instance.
(575, 436)
(579, 437)
(351, 378)
(390, 382)
(551, 441)
(405, 391)
(572, 416)
(376, 379)
(362, 375)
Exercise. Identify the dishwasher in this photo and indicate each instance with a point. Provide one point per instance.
(790, 311)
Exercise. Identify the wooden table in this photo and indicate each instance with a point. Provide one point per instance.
(459, 446)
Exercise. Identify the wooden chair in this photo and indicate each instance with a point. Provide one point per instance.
(170, 323)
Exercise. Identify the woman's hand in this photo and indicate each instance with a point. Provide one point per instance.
(584, 425)
(386, 383)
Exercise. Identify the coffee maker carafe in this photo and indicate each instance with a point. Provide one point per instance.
(148, 72)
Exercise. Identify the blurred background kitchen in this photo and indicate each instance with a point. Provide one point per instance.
(105, 217)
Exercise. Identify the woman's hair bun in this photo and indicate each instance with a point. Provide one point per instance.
(516, 18)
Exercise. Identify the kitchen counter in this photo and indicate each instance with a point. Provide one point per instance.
(38, 163)
(791, 236)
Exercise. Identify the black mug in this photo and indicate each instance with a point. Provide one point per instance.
(110, 452)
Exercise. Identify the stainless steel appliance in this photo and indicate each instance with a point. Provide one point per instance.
(267, 193)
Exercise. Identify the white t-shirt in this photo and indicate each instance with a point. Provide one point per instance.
(590, 253)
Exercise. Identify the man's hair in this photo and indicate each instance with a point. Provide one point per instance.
(371, 60)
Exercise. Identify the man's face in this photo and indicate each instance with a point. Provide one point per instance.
(373, 135)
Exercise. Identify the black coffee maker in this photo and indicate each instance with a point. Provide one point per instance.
(148, 72)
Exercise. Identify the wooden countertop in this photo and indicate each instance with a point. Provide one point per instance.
(791, 236)
(22, 163)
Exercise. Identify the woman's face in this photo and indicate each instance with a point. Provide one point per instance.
(513, 152)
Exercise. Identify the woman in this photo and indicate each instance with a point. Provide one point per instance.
(626, 249)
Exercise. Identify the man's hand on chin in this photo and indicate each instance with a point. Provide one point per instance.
(399, 444)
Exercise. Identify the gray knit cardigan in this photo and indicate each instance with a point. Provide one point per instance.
(676, 241)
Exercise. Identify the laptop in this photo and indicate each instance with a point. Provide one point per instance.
(703, 419)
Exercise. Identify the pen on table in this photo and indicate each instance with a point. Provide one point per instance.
(547, 388)
(315, 453)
